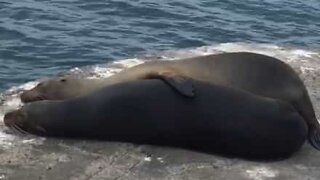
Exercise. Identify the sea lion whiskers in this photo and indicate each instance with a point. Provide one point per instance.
(41, 97)
(19, 129)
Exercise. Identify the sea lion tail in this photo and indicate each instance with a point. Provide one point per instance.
(314, 137)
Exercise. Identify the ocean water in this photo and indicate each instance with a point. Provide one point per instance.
(97, 38)
(40, 38)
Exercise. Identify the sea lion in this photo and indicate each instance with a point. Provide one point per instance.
(255, 73)
(217, 119)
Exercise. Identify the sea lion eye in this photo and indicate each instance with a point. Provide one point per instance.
(63, 80)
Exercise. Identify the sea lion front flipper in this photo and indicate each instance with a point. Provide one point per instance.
(180, 83)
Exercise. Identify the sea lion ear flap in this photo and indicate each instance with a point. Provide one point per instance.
(181, 84)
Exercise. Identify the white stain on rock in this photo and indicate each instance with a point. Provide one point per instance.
(261, 173)
(148, 159)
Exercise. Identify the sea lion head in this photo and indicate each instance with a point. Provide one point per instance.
(23, 121)
(40, 118)
(57, 88)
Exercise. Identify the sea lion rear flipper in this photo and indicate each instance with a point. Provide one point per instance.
(314, 137)
(305, 108)
(180, 83)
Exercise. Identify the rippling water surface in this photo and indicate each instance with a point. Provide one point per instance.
(39, 38)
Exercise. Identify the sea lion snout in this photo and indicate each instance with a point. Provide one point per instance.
(20, 121)
(13, 118)
(30, 96)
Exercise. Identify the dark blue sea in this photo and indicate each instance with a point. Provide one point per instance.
(40, 38)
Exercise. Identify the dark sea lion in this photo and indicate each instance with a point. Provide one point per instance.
(255, 73)
(217, 119)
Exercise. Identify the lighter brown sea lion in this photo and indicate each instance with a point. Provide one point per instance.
(259, 74)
